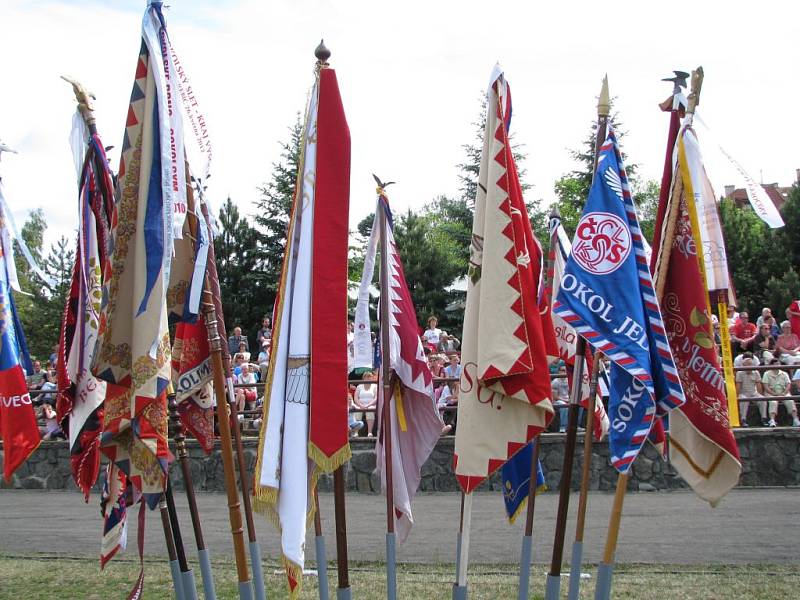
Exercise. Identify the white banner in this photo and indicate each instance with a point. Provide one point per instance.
(362, 342)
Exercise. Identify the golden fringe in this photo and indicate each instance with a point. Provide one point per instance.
(524, 504)
(296, 572)
(265, 502)
(328, 464)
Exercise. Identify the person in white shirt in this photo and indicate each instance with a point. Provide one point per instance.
(432, 333)
(453, 369)
(366, 397)
(776, 383)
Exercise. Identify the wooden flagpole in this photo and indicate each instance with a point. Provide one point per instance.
(603, 111)
(244, 477)
(174, 567)
(605, 570)
(226, 447)
(343, 591)
(553, 588)
(183, 458)
(458, 537)
(527, 539)
(386, 418)
(187, 576)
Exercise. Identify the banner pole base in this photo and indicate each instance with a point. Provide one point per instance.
(575, 571)
(258, 571)
(205, 572)
(344, 594)
(322, 567)
(602, 590)
(525, 567)
(177, 580)
(460, 592)
(189, 589)
(391, 567)
(552, 590)
(245, 590)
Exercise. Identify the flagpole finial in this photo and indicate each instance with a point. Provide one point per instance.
(322, 53)
(554, 212)
(604, 102)
(697, 84)
(85, 101)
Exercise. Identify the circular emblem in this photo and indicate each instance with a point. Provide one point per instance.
(603, 242)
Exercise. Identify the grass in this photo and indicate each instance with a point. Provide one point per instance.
(40, 577)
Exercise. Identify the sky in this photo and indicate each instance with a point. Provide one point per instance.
(410, 74)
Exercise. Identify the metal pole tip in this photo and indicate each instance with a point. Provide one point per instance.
(322, 53)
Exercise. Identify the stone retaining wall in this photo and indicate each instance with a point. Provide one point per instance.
(770, 457)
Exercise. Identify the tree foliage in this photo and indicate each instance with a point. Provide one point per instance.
(242, 280)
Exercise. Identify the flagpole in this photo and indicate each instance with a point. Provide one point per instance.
(553, 587)
(527, 539)
(226, 447)
(183, 457)
(253, 545)
(187, 576)
(174, 567)
(605, 570)
(458, 539)
(576, 560)
(319, 543)
(343, 591)
(460, 591)
(386, 428)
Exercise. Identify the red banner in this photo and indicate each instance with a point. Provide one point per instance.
(18, 426)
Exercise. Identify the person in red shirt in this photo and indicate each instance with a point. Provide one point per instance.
(793, 314)
(743, 333)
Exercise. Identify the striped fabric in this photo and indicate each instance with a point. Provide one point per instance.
(607, 296)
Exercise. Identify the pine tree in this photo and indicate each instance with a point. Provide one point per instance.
(273, 208)
(241, 276)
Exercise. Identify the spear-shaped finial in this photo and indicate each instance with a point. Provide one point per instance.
(322, 53)
(85, 102)
(697, 84)
(604, 102)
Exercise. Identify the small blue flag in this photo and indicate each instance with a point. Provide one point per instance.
(516, 480)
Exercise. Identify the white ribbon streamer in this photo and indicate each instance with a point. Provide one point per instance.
(362, 338)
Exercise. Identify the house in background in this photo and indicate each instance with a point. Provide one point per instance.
(776, 193)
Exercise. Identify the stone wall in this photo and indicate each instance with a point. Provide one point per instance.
(770, 457)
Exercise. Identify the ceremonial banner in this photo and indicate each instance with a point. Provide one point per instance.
(706, 454)
(308, 363)
(566, 338)
(607, 295)
(18, 427)
(134, 356)
(415, 421)
(505, 384)
(517, 481)
(81, 394)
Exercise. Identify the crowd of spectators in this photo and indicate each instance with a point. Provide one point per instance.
(765, 343)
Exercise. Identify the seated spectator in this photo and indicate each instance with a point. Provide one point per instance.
(733, 316)
(748, 385)
(238, 361)
(49, 386)
(244, 352)
(739, 360)
(263, 359)
(236, 339)
(793, 316)
(766, 313)
(773, 326)
(366, 397)
(449, 398)
(764, 342)
(742, 334)
(789, 345)
(435, 364)
(38, 377)
(448, 343)
(776, 383)
(51, 429)
(265, 333)
(246, 397)
(560, 390)
(353, 424)
(717, 338)
(453, 368)
(432, 333)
